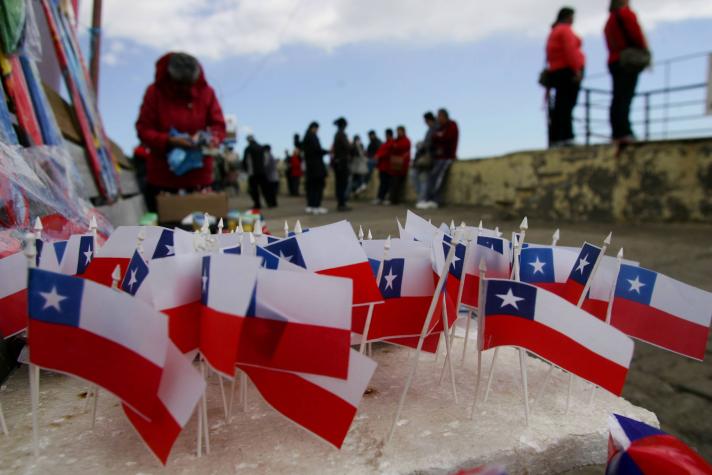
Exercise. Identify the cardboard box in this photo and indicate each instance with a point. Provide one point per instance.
(173, 208)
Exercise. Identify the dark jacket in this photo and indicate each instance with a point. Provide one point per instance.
(445, 141)
(373, 147)
(313, 156)
(253, 161)
(342, 151)
(167, 105)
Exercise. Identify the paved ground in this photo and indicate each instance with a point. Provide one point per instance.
(677, 389)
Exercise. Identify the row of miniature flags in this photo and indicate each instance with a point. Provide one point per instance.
(283, 311)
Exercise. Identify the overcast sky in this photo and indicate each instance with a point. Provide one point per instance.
(278, 64)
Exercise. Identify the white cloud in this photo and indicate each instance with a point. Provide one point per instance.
(219, 29)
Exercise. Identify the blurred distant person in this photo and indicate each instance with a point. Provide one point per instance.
(400, 160)
(383, 158)
(293, 166)
(359, 166)
(566, 63)
(628, 57)
(445, 140)
(423, 163)
(272, 174)
(374, 143)
(179, 103)
(341, 150)
(253, 163)
(315, 170)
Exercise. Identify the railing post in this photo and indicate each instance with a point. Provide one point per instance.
(587, 105)
(647, 116)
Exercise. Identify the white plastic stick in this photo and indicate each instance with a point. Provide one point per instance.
(379, 276)
(426, 326)
(470, 314)
(224, 399)
(480, 323)
(34, 372)
(523, 368)
(491, 373)
(555, 238)
(2, 422)
(221, 225)
(543, 387)
(448, 352)
(286, 229)
(204, 407)
(298, 228)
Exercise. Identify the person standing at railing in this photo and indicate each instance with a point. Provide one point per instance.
(628, 57)
(566, 63)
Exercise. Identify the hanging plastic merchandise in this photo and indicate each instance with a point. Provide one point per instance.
(12, 24)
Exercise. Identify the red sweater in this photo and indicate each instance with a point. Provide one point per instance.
(383, 155)
(615, 38)
(563, 49)
(445, 141)
(401, 147)
(166, 105)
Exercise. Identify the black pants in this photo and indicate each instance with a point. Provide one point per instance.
(259, 184)
(341, 183)
(396, 190)
(624, 84)
(384, 185)
(315, 191)
(293, 183)
(566, 95)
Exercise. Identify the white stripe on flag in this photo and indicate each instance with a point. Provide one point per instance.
(331, 246)
(350, 390)
(174, 280)
(232, 280)
(181, 385)
(682, 300)
(124, 239)
(13, 274)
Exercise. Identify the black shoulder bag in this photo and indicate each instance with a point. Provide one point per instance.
(632, 59)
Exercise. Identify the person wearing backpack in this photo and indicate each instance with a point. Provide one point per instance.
(566, 63)
(628, 57)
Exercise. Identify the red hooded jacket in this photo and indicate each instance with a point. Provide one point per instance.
(616, 39)
(563, 49)
(383, 155)
(401, 147)
(167, 105)
(445, 141)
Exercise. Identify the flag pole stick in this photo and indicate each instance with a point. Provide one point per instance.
(609, 308)
(224, 399)
(480, 328)
(542, 388)
(421, 340)
(2, 422)
(200, 431)
(34, 372)
(523, 367)
(462, 281)
(204, 407)
(232, 394)
(470, 313)
(379, 276)
(582, 299)
(555, 237)
(448, 351)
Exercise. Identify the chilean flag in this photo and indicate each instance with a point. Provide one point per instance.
(120, 247)
(418, 229)
(284, 320)
(180, 389)
(580, 273)
(602, 287)
(662, 311)
(269, 260)
(136, 273)
(322, 405)
(636, 448)
(495, 252)
(332, 250)
(78, 255)
(519, 314)
(407, 286)
(98, 334)
(52, 254)
(13, 294)
(547, 267)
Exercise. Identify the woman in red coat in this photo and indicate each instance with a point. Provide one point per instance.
(400, 160)
(179, 100)
(566, 63)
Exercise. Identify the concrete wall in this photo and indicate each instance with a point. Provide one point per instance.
(656, 181)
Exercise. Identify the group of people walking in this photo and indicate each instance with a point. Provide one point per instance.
(354, 165)
(628, 56)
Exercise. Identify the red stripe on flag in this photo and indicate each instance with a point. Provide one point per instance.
(660, 328)
(664, 453)
(471, 291)
(597, 308)
(159, 434)
(100, 269)
(365, 289)
(358, 318)
(184, 326)
(571, 290)
(219, 334)
(400, 317)
(13, 318)
(506, 330)
(78, 352)
(305, 403)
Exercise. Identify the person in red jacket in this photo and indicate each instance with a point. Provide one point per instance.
(400, 160)
(566, 63)
(622, 31)
(383, 163)
(445, 140)
(179, 99)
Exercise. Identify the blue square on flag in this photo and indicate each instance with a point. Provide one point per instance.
(288, 249)
(496, 244)
(375, 264)
(537, 265)
(505, 297)
(636, 284)
(458, 260)
(59, 248)
(584, 263)
(269, 260)
(392, 278)
(136, 273)
(86, 252)
(232, 250)
(164, 248)
(54, 298)
(205, 280)
(39, 244)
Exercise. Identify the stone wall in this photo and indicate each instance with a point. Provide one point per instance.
(654, 181)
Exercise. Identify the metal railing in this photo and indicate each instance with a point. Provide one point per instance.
(662, 111)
